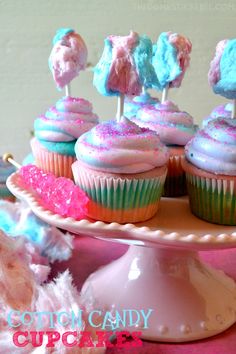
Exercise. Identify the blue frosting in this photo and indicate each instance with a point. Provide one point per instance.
(63, 148)
(142, 55)
(226, 86)
(131, 107)
(165, 61)
(61, 32)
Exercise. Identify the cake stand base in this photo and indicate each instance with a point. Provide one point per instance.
(189, 299)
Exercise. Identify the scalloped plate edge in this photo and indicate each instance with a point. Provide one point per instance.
(118, 231)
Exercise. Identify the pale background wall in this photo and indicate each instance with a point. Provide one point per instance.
(28, 26)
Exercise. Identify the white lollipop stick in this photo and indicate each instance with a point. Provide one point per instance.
(144, 90)
(233, 113)
(68, 90)
(9, 158)
(165, 94)
(120, 107)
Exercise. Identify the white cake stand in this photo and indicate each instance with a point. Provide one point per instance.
(160, 271)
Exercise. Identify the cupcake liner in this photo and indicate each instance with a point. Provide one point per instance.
(48, 161)
(175, 184)
(212, 199)
(120, 199)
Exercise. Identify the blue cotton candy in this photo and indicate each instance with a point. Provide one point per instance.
(7, 224)
(226, 86)
(165, 61)
(102, 69)
(17, 220)
(143, 59)
(61, 32)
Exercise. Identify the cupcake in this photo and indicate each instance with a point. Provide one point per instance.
(122, 168)
(224, 110)
(6, 169)
(57, 131)
(175, 129)
(210, 167)
(134, 103)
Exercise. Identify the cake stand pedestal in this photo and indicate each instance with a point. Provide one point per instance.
(189, 299)
(161, 271)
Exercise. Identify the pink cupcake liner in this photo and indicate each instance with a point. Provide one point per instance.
(59, 165)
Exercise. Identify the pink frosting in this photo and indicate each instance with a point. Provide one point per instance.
(67, 58)
(121, 147)
(214, 72)
(66, 121)
(173, 126)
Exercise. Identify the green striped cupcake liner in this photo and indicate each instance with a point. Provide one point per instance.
(121, 197)
(212, 199)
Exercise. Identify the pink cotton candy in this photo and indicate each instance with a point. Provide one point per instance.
(184, 48)
(57, 296)
(214, 72)
(67, 58)
(16, 279)
(60, 195)
(123, 76)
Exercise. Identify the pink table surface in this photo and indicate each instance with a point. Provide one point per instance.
(89, 254)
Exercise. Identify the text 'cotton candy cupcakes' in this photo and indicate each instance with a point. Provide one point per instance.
(58, 129)
(121, 166)
(175, 128)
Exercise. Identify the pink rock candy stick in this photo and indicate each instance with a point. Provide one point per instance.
(60, 195)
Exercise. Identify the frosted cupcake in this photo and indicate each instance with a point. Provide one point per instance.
(6, 169)
(134, 103)
(175, 129)
(222, 111)
(56, 133)
(210, 167)
(210, 162)
(122, 168)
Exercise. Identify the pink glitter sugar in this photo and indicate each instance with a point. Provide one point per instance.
(60, 195)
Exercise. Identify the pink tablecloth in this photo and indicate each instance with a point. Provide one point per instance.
(89, 254)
